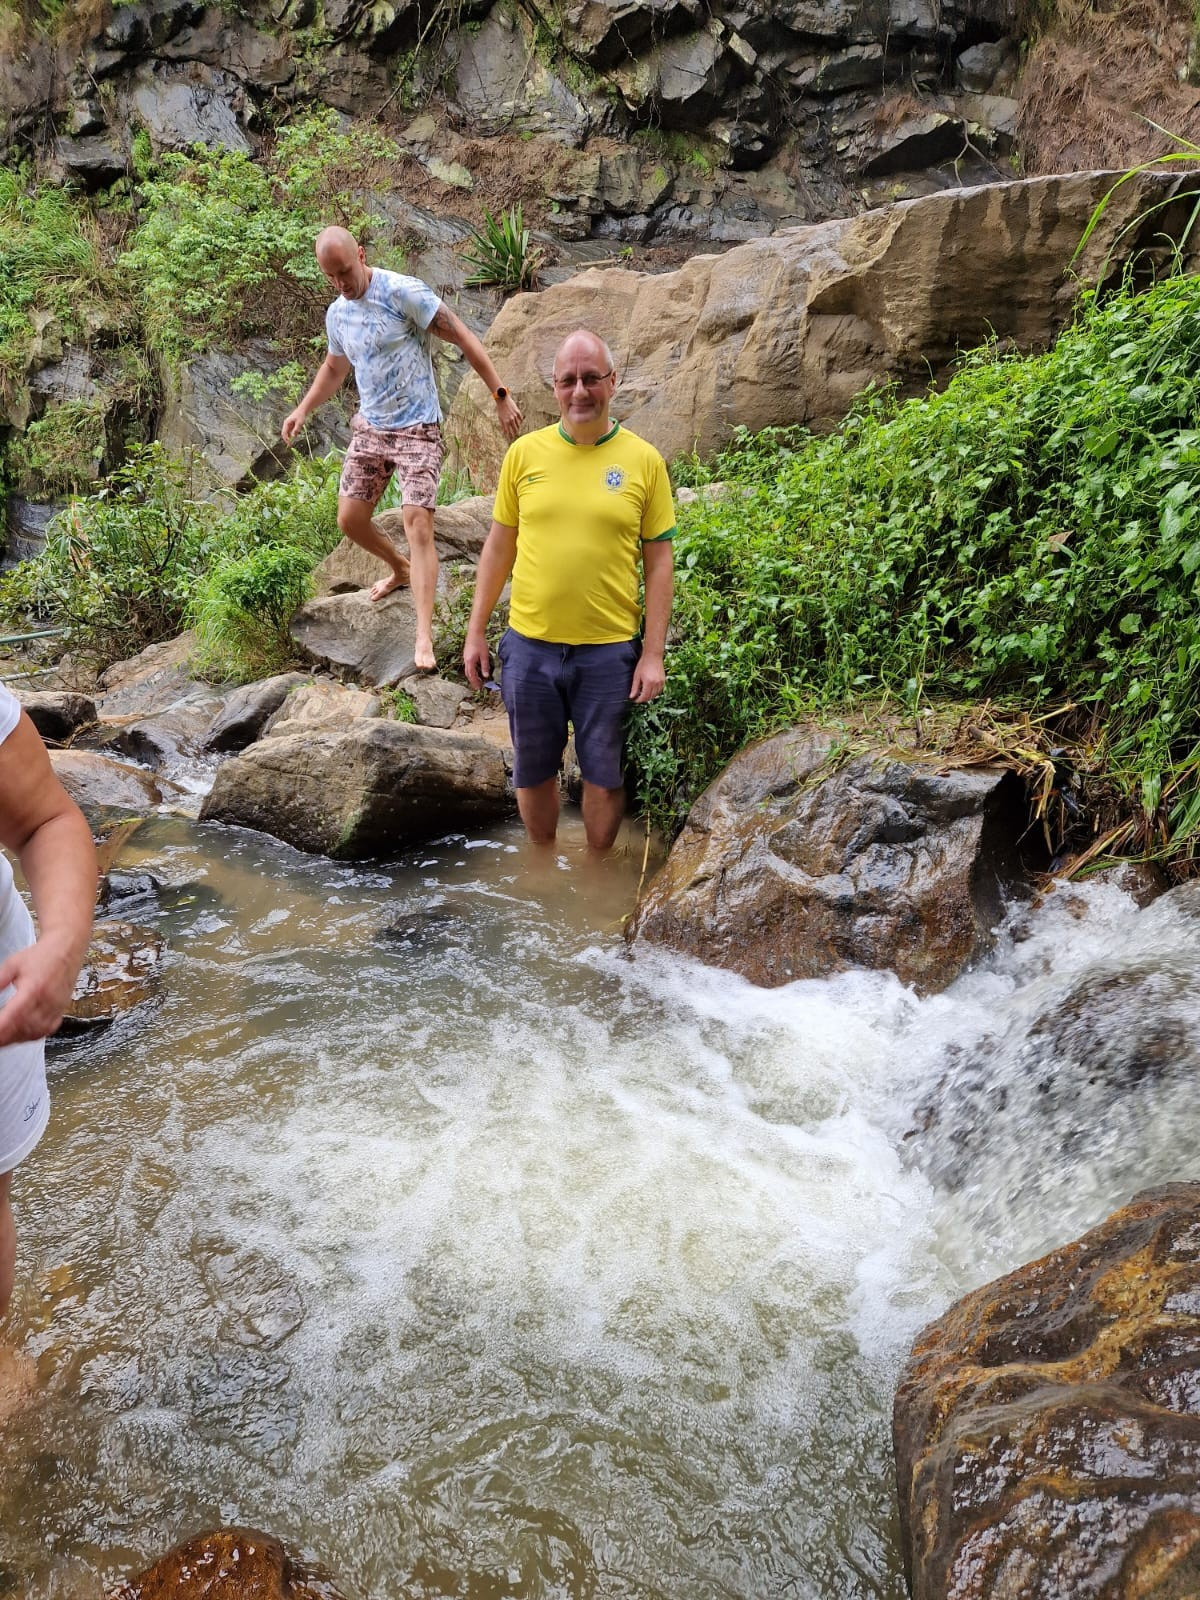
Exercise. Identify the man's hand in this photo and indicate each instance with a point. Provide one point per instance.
(649, 676)
(477, 660)
(508, 414)
(43, 980)
(292, 424)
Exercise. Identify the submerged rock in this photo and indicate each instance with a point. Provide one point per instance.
(1047, 1428)
(788, 870)
(120, 971)
(368, 790)
(228, 1564)
(97, 784)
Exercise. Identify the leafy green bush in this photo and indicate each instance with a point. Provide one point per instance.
(49, 260)
(265, 551)
(226, 245)
(501, 253)
(118, 567)
(143, 558)
(1032, 532)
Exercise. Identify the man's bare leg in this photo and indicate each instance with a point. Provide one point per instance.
(355, 524)
(423, 571)
(539, 811)
(602, 813)
(8, 1243)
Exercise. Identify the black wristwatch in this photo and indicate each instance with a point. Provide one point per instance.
(500, 394)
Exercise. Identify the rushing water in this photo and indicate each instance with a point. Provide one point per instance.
(418, 1225)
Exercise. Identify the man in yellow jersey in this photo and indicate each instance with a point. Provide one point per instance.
(583, 510)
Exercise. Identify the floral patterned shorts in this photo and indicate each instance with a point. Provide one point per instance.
(375, 453)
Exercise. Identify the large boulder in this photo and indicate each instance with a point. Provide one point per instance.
(1047, 1428)
(228, 1564)
(98, 785)
(369, 790)
(248, 709)
(791, 328)
(372, 640)
(786, 869)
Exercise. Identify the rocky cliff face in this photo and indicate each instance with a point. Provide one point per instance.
(674, 104)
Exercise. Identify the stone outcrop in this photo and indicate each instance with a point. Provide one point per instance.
(368, 790)
(248, 709)
(120, 971)
(233, 439)
(321, 703)
(98, 785)
(372, 640)
(789, 869)
(1047, 1428)
(228, 1564)
(57, 714)
(790, 329)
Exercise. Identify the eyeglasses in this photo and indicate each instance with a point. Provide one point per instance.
(589, 380)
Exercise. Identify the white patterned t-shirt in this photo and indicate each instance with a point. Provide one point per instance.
(384, 336)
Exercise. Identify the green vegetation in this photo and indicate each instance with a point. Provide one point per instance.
(50, 262)
(225, 245)
(144, 557)
(502, 255)
(1031, 534)
(397, 705)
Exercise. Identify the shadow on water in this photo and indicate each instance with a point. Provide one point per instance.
(418, 1225)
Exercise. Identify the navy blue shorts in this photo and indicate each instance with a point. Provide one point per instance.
(545, 686)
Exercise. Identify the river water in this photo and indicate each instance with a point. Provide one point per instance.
(417, 1224)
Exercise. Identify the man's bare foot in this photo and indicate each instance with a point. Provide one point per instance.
(385, 586)
(423, 657)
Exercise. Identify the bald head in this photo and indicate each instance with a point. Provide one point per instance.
(581, 348)
(343, 261)
(584, 381)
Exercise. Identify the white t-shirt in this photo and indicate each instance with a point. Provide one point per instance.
(24, 1100)
(384, 336)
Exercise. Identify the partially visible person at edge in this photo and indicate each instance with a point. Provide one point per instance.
(379, 327)
(47, 833)
(583, 509)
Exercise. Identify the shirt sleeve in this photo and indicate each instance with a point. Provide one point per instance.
(506, 508)
(415, 300)
(658, 519)
(10, 712)
(331, 333)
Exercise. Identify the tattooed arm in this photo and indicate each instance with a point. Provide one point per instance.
(449, 327)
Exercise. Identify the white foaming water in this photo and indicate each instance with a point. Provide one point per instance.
(473, 1257)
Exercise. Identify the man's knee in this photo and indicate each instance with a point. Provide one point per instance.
(353, 517)
(418, 527)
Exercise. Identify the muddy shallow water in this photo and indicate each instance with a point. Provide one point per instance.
(417, 1224)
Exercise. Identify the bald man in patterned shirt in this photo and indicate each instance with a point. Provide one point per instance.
(380, 328)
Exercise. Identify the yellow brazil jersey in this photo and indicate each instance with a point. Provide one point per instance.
(582, 513)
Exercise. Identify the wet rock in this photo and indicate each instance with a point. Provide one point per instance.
(373, 640)
(97, 784)
(1047, 1428)
(27, 522)
(915, 143)
(56, 714)
(180, 106)
(120, 971)
(228, 1564)
(248, 709)
(790, 328)
(785, 871)
(155, 680)
(369, 790)
(121, 891)
(500, 83)
(158, 741)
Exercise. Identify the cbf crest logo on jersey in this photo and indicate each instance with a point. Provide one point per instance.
(614, 478)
